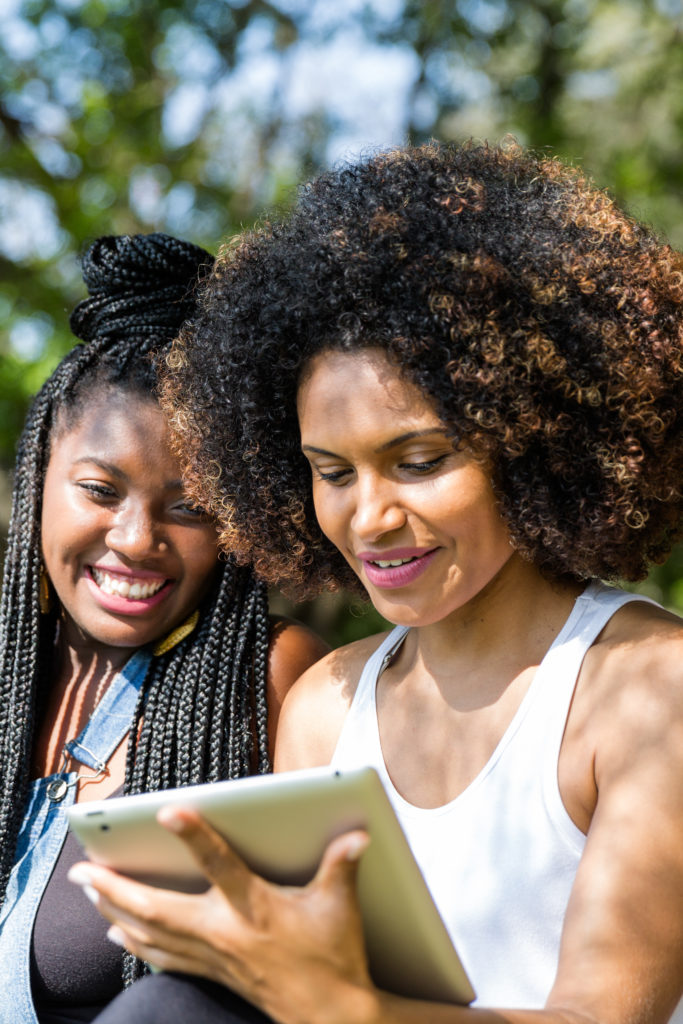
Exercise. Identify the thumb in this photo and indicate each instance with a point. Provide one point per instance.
(339, 864)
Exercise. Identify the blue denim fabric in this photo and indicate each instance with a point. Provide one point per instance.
(42, 834)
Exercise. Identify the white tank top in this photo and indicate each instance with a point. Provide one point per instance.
(500, 859)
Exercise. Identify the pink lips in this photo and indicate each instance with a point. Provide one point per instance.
(125, 605)
(392, 577)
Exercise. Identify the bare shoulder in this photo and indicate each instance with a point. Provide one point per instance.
(641, 644)
(292, 649)
(642, 620)
(315, 707)
(635, 675)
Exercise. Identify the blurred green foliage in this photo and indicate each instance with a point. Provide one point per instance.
(194, 116)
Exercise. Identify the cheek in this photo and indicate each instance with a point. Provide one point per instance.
(66, 531)
(464, 506)
(484, 525)
(328, 511)
(49, 522)
(200, 556)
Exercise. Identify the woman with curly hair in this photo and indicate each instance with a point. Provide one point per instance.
(451, 377)
(131, 655)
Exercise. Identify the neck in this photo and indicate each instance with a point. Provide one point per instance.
(506, 627)
(84, 668)
(81, 676)
(79, 655)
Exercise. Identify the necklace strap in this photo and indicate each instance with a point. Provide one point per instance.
(176, 635)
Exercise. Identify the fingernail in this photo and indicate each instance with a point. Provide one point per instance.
(170, 820)
(79, 875)
(357, 847)
(115, 935)
(92, 894)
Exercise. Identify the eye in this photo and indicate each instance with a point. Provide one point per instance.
(422, 468)
(99, 491)
(333, 477)
(190, 509)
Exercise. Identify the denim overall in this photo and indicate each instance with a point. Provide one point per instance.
(43, 832)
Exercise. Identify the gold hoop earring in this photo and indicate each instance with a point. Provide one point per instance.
(44, 592)
(178, 634)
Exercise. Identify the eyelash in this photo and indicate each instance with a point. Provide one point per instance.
(423, 467)
(102, 492)
(333, 477)
(190, 510)
(419, 468)
(98, 490)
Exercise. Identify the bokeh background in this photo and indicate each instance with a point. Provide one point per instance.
(197, 116)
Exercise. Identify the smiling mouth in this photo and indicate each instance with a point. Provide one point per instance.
(393, 563)
(131, 589)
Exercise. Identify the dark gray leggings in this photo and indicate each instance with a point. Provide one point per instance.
(167, 998)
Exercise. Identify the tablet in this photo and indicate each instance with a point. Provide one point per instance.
(281, 824)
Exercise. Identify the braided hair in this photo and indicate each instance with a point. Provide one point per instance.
(201, 712)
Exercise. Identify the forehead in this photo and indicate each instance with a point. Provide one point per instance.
(113, 423)
(360, 388)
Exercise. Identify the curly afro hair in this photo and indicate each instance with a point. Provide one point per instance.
(544, 323)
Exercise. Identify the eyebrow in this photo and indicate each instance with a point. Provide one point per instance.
(109, 467)
(393, 443)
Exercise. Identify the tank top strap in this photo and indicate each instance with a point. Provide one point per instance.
(359, 736)
(556, 680)
(379, 660)
(558, 672)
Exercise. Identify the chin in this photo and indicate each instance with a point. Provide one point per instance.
(121, 638)
(405, 614)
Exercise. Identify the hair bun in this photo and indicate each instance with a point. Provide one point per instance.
(139, 285)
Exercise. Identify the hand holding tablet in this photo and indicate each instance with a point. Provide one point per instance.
(280, 825)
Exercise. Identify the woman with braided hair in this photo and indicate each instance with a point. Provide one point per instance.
(131, 656)
(453, 377)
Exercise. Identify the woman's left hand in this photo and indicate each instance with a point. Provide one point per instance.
(246, 932)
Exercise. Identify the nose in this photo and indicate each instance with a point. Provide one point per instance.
(135, 533)
(378, 509)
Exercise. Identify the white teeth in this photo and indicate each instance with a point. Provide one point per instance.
(116, 587)
(393, 562)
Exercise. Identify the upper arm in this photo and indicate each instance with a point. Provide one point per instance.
(621, 955)
(293, 649)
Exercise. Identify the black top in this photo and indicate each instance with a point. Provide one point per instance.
(75, 969)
